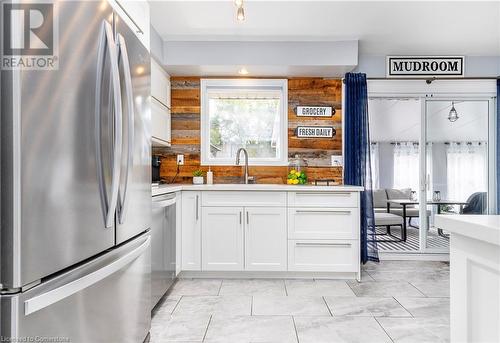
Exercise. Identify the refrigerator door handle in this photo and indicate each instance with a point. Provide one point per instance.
(122, 208)
(51, 297)
(117, 141)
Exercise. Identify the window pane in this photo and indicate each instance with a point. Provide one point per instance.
(251, 123)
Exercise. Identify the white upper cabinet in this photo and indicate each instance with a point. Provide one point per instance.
(137, 16)
(265, 239)
(160, 105)
(160, 84)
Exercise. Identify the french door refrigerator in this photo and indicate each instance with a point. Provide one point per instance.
(75, 186)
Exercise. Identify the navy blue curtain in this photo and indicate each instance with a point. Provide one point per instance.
(357, 168)
(498, 146)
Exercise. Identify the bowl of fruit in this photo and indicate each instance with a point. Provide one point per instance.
(296, 177)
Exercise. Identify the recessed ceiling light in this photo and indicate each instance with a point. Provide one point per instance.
(240, 15)
(243, 71)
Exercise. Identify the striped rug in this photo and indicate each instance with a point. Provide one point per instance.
(434, 241)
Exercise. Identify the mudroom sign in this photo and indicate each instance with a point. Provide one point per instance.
(315, 132)
(315, 111)
(425, 66)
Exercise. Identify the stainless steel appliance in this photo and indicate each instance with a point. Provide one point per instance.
(163, 257)
(76, 185)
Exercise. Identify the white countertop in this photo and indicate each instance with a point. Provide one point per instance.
(481, 227)
(169, 188)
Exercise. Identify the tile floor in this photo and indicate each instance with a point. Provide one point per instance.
(396, 301)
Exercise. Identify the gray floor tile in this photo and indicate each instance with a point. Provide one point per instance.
(417, 330)
(253, 287)
(339, 329)
(366, 306)
(196, 287)
(405, 265)
(179, 328)
(426, 307)
(289, 305)
(318, 288)
(231, 305)
(167, 306)
(433, 288)
(246, 329)
(385, 289)
(411, 275)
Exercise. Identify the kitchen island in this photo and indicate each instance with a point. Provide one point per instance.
(475, 276)
(268, 230)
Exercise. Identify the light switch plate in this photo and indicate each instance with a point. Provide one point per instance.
(337, 160)
(180, 160)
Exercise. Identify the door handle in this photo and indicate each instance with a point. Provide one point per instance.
(106, 41)
(324, 244)
(324, 211)
(197, 215)
(240, 218)
(122, 48)
(248, 218)
(51, 297)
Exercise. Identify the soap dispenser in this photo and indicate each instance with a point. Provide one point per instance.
(210, 177)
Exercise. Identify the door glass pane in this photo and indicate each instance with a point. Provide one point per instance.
(457, 160)
(395, 129)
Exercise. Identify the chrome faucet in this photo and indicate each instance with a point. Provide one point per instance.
(247, 178)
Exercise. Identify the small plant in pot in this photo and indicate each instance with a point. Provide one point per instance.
(198, 177)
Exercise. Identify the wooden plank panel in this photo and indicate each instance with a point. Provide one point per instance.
(301, 91)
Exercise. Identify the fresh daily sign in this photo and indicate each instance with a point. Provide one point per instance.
(315, 132)
(315, 111)
(425, 66)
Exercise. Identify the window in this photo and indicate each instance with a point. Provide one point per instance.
(250, 114)
(406, 165)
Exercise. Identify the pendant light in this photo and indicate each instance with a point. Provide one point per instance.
(453, 115)
(240, 14)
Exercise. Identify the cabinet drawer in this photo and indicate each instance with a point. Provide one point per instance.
(325, 256)
(246, 198)
(322, 199)
(323, 223)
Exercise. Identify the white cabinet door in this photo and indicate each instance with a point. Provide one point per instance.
(161, 124)
(160, 84)
(191, 230)
(137, 16)
(222, 238)
(265, 239)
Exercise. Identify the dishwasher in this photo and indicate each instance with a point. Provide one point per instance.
(162, 246)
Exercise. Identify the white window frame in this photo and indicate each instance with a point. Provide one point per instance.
(280, 85)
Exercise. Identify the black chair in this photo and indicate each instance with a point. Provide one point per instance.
(476, 204)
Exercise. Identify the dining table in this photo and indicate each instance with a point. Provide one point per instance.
(405, 203)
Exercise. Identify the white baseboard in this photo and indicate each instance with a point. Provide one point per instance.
(407, 256)
(265, 275)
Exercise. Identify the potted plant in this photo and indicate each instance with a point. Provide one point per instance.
(198, 177)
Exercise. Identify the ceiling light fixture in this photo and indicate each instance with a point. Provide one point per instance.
(238, 3)
(240, 15)
(453, 115)
(243, 71)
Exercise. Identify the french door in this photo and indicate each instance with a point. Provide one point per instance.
(457, 163)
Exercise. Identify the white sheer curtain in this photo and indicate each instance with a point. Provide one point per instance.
(375, 162)
(466, 169)
(406, 165)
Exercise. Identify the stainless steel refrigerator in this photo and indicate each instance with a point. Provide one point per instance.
(76, 186)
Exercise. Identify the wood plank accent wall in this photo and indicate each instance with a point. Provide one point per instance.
(301, 91)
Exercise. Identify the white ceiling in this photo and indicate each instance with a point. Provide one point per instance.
(399, 120)
(383, 28)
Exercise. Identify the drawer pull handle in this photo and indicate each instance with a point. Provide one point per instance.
(320, 211)
(324, 244)
(323, 193)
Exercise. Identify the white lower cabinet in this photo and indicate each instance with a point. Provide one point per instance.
(323, 255)
(222, 238)
(265, 239)
(191, 230)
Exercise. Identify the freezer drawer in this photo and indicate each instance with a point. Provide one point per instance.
(104, 300)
